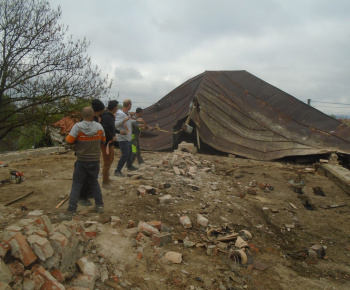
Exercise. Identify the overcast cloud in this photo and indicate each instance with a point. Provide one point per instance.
(149, 47)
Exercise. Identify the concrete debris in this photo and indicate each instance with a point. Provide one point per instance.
(174, 257)
(186, 222)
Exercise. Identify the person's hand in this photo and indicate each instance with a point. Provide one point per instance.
(114, 138)
(140, 120)
(122, 132)
(126, 119)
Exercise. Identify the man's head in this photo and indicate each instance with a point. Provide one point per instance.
(98, 107)
(113, 106)
(127, 105)
(139, 112)
(87, 114)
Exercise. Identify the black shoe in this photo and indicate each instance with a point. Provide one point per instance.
(118, 174)
(132, 168)
(141, 161)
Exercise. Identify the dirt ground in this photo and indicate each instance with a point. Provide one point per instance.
(236, 194)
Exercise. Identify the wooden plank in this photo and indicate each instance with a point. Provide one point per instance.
(62, 202)
(19, 198)
(333, 206)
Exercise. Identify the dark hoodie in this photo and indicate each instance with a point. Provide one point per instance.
(107, 122)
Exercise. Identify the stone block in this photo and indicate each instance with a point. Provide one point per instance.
(41, 246)
(20, 249)
(173, 257)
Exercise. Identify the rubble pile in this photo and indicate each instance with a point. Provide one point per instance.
(38, 255)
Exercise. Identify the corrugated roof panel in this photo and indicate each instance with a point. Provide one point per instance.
(239, 113)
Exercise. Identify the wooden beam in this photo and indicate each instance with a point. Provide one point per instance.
(18, 198)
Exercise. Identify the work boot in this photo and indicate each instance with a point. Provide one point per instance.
(118, 173)
(132, 168)
(99, 208)
(85, 202)
(67, 216)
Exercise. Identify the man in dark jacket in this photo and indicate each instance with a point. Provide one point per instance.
(107, 122)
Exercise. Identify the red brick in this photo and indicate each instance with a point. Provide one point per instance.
(161, 239)
(156, 224)
(49, 281)
(59, 242)
(58, 275)
(16, 268)
(44, 223)
(147, 228)
(131, 224)
(20, 249)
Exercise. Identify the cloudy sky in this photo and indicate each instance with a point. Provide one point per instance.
(149, 47)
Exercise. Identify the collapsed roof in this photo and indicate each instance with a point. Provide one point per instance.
(238, 113)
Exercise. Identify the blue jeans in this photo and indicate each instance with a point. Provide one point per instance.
(126, 150)
(83, 171)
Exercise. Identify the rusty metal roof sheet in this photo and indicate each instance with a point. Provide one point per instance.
(238, 113)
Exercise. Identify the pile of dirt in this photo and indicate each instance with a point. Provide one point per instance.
(232, 194)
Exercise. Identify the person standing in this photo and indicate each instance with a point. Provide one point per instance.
(85, 192)
(123, 123)
(88, 136)
(108, 124)
(136, 131)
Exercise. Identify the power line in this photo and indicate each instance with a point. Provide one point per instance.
(330, 103)
(331, 107)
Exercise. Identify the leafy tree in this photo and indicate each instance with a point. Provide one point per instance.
(42, 71)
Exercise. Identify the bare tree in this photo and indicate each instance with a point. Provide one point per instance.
(42, 71)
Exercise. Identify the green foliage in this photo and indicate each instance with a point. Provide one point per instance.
(43, 74)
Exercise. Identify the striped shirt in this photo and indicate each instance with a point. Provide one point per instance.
(88, 136)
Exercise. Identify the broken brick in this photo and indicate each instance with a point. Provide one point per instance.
(161, 239)
(156, 224)
(49, 281)
(20, 249)
(4, 248)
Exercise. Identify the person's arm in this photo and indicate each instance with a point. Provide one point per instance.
(120, 119)
(72, 136)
